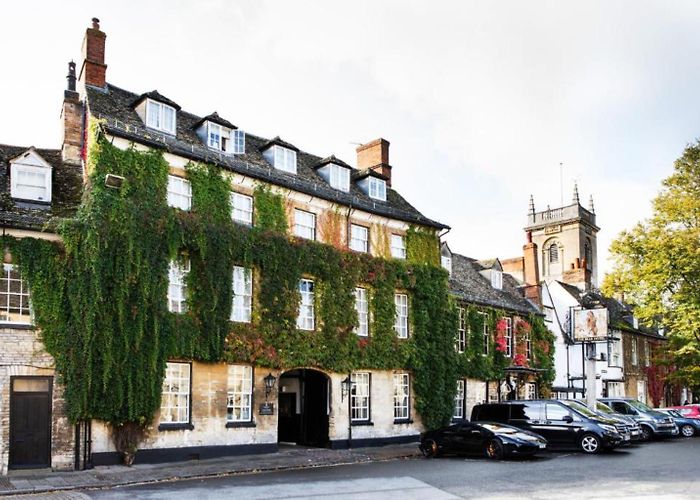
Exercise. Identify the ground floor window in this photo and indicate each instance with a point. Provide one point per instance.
(175, 404)
(616, 389)
(360, 397)
(401, 396)
(240, 394)
(458, 413)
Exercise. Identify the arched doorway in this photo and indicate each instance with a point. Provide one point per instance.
(304, 404)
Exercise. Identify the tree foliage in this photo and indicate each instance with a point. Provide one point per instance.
(657, 266)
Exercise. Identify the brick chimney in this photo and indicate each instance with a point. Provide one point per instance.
(375, 155)
(71, 120)
(93, 71)
(578, 275)
(531, 273)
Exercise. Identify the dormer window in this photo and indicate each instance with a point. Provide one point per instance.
(220, 137)
(160, 116)
(215, 137)
(497, 279)
(377, 189)
(285, 159)
(30, 178)
(237, 145)
(339, 177)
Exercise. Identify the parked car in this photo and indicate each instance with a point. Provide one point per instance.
(632, 425)
(622, 426)
(688, 411)
(687, 427)
(654, 424)
(561, 426)
(493, 440)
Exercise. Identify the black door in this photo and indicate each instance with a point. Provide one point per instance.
(30, 422)
(314, 414)
(288, 425)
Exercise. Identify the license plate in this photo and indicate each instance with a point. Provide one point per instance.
(627, 437)
(542, 446)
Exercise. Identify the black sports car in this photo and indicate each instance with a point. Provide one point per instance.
(492, 440)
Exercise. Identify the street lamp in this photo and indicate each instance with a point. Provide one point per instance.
(269, 384)
(346, 386)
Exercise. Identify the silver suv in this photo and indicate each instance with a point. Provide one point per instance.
(653, 423)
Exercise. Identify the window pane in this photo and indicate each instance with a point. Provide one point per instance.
(176, 394)
(362, 309)
(401, 320)
(241, 308)
(240, 393)
(242, 209)
(14, 297)
(359, 237)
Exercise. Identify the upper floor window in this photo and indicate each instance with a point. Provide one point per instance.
(242, 294)
(160, 116)
(634, 352)
(14, 297)
(177, 286)
(553, 253)
(359, 238)
(216, 136)
(306, 318)
(486, 331)
(304, 224)
(377, 188)
(461, 340)
(30, 182)
(339, 177)
(647, 354)
(179, 192)
(362, 309)
(446, 262)
(615, 348)
(401, 319)
(528, 345)
(398, 246)
(175, 399)
(508, 336)
(242, 209)
(285, 159)
(497, 279)
(237, 144)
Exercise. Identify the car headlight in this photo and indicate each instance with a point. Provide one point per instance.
(609, 428)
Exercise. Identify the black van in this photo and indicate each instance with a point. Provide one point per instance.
(561, 425)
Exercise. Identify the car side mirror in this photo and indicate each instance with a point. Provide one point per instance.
(568, 419)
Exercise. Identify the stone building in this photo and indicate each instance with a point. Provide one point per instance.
(208, 408)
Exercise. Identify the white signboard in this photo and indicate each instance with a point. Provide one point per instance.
(590, 325)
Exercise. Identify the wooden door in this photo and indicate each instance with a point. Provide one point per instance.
(30, 422)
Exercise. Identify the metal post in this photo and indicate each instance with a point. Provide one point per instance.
(590, 375)
(350, 412)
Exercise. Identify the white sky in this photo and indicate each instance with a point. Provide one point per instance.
(480, 100)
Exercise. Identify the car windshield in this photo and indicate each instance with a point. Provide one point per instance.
(674, 413)
(638, 405)
(500, 428)
(604, 408)
(575, 405)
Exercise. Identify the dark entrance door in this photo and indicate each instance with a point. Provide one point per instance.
(30, 422)
(307, 422)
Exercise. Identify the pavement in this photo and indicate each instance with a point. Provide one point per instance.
(287, 458)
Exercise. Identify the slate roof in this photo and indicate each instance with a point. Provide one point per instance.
(114, 105)
(467, 283)
(215, 118)
(65, 192)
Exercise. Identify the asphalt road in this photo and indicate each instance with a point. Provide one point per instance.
(659, 470)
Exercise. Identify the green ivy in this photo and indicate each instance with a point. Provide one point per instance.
(422, 246)
(269, 210)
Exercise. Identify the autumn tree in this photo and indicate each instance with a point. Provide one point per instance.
(657, 266)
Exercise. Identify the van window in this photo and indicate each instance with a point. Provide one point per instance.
(556, 412)
(621, 407)
(526, 411)
(492, 413)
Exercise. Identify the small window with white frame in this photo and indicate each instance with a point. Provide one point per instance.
(237, 142)
(242, 306)
(486, 332)
(458, 413)
(497, 279)
(15, 307)
(242, 209)
(216, 136)
(615, 350)
(461, 340)
(377, 188)
(160, 116)
(177, 285)
(285, 159)
(179, 193)
(175, 403)
(339, 177)
(398, 246)
(359, 238)
(401, 396)
(239, 401)
(360, 397)
(304, 224)
(401, 319)
(508, 336)
(446, 262)
(30, 182)
(362, 309)
(306, 318)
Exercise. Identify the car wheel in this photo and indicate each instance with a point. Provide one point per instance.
(687, 431)
(429, 448)
(647, 433)
(494, 449)
(590, 443)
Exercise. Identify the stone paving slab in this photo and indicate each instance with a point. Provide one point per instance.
(118, 475)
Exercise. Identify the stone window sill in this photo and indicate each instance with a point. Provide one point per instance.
(234, 425)
(176, 427)
(398, 421)
(361, 423)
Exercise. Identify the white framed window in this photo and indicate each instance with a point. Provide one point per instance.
(401, 320)
(398, 246)
(239, 401)
(486, 332)
(362, 309)
(458, 413)
(14, 297)
(242, 209)
(30, 182)
(179, 193)
(177, 286)
(508, 336)
(616, 389)
(615, 347)
(237, 142)
(359, 238)
(285, 159)
(633, 353)
(401, 396)
(304, 224)
(531, 391)
(359, 397)
(339, 177)
(215, 137)
(242, 306)
(446, 262)
(175, 403)
(461, 340)
(306, 318)
(496, 279)
(160, 116)
(377, 188)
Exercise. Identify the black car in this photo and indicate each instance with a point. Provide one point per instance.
(563, 427)
(492, 440)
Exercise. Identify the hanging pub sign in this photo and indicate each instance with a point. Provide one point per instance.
(590, 325)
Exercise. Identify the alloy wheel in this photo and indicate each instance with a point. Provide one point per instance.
(429, 448)
(494, 449)
(590, 443)
(687, 431)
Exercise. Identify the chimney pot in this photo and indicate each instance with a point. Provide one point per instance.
(71, 76)
(93, 70)
(95, 23)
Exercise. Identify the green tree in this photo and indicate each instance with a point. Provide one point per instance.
(657, 266)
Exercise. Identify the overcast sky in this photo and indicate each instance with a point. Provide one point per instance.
(481, 101)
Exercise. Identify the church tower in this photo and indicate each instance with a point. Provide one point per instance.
(567, 241)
